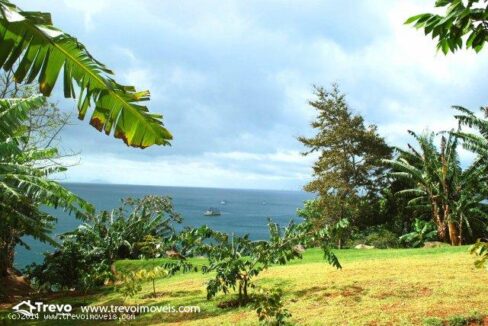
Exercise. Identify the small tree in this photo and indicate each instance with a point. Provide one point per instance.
(237, 260)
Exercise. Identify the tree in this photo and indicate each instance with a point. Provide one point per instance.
(465, 22)
(451, 196)
(42, 51)
(236, 260)
(349, 167)
(24, 184)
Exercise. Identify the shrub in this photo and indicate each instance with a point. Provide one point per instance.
(432, 321)
(269, 307)
(377, 236)
(457, 321)
(132, 281)
(423, 231)
(86, 257)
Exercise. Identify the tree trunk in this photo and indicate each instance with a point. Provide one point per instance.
(7, 251)
(339, 243)
(454, 234)
(113, 269)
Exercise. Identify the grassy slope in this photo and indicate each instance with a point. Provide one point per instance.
(396, 286)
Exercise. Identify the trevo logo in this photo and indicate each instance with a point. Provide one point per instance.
(29, 309)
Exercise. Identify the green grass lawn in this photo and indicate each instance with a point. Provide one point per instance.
(375, 287)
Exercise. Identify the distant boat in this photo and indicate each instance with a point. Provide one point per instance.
(212, 212)
(264, 203)
(223, 202)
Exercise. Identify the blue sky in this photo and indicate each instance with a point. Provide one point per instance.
(232, 79)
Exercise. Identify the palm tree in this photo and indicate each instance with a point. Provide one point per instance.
(453, 197)
(32, 47)
(24, 185)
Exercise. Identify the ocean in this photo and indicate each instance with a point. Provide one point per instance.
(244, 211)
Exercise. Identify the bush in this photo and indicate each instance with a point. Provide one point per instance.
(269, 307)
(67, 268)
(432, 321)
(457, 321)
(377, 236)
(423, 231)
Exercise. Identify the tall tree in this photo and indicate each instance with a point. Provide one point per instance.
(33, 48)
(349, 167)
(454, 198)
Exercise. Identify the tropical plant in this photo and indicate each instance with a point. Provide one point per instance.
(270, 307)
(453, 197)
(477, 143)
(24, 184)
(237, 260)
(465, 22)
(34, 48)
(132, 281)
(90, 251)
(68, 268)
(349, 167)
(480, 250)
(423, 231)
(113, 235)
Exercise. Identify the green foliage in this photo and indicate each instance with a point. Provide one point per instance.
(68, 268)
(452, 197)
(457, 321)
(236, 260)
(480, 250)
(24, 183)
(378, 236)
(464, 23)
(477, 143)
(423, 231)
(132, 281)
(270, 307)
(349, 167)
(432, 321)
(91, 250)
(43, 51)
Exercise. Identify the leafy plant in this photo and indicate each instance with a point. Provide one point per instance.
(480, 250)
(24, 184)
(453, 197)
(423, 231)
(465, 22)
(269, 307)
(236, 260)
(43, 51)
(89, 252)
(432, 321)
(132, 282)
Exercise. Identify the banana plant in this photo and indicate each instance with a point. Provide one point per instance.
(35, 49)
(453, 196)
(423, 231)
(24, 184)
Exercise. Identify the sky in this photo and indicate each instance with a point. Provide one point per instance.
(232, 80)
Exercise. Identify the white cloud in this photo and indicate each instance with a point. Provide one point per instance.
(205, 171)
(233, 79)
